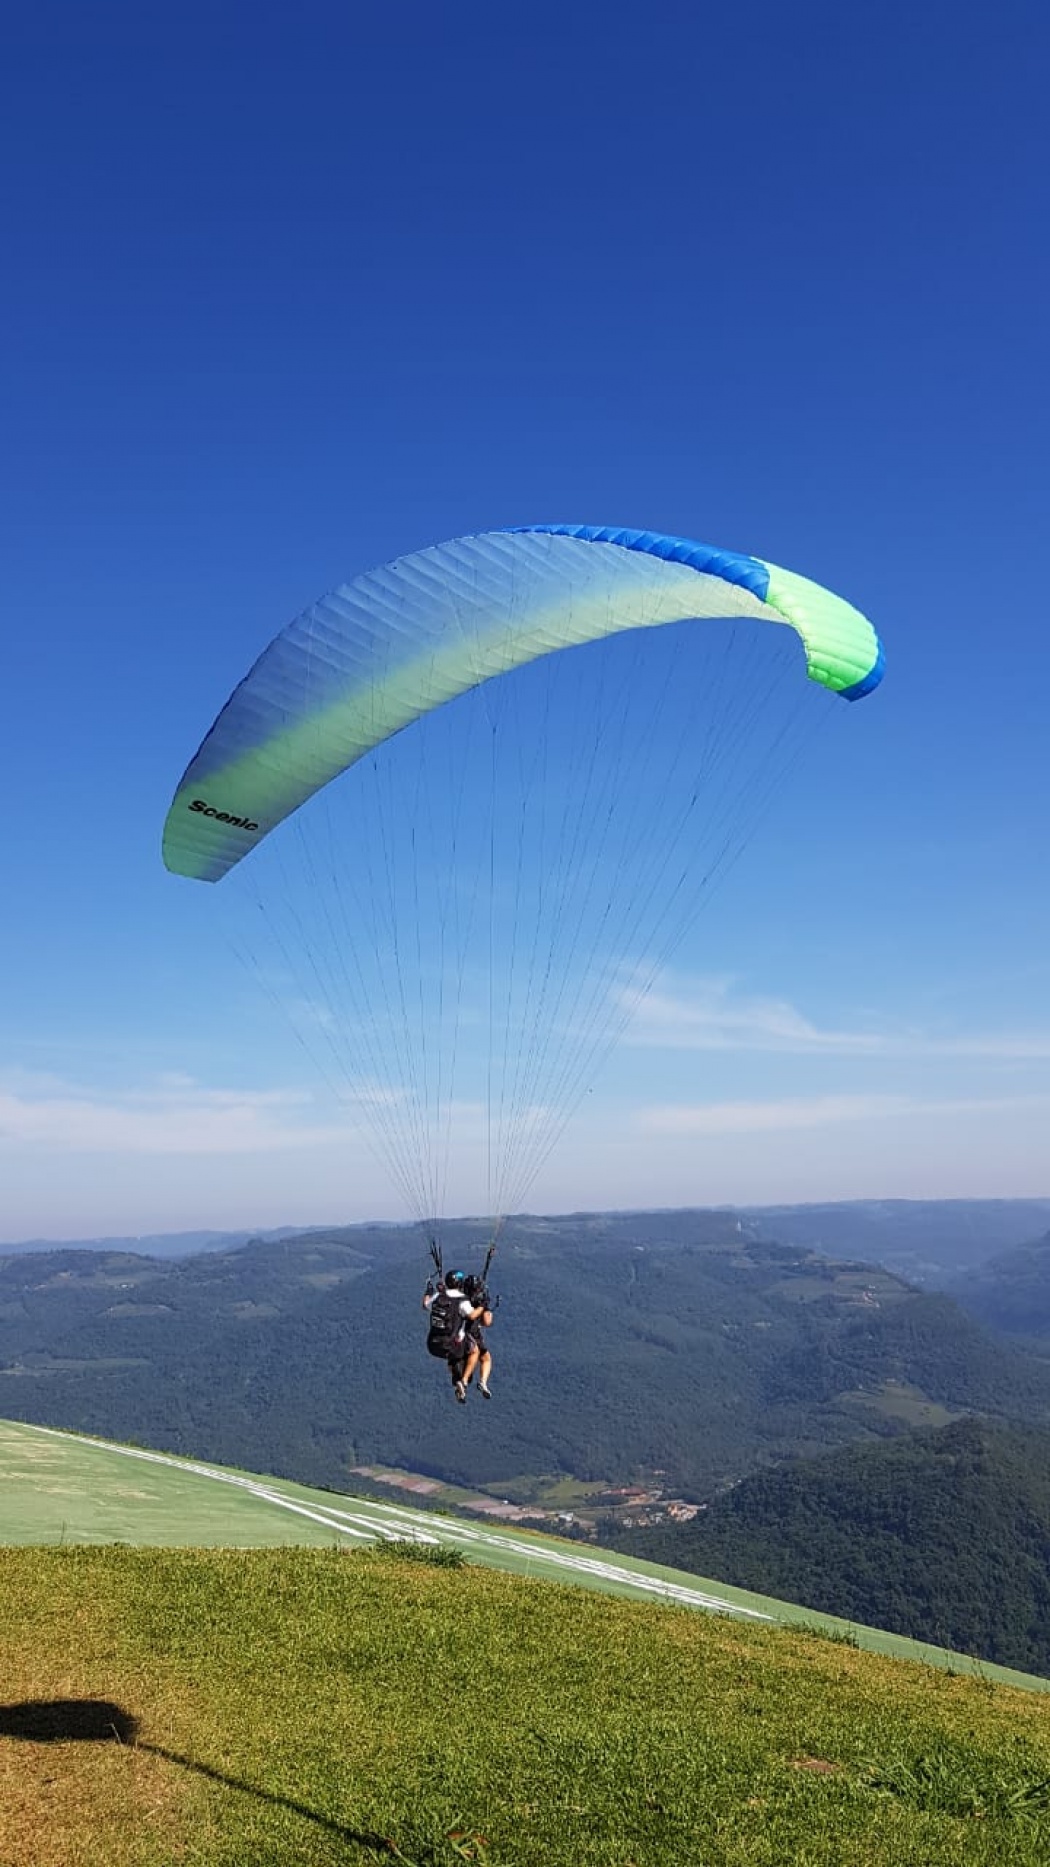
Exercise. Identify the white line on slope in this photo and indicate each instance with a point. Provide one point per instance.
(391, 1522)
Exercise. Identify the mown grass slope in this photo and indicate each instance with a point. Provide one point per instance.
(314, 1706)
(59, 1489)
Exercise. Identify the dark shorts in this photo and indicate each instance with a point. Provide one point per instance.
(475, 1334)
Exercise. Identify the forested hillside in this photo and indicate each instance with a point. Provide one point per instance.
(931, 1242)
(1012, 1292)
(942, 1535)
(672, 1343)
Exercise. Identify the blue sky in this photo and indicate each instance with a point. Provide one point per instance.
(291, 291)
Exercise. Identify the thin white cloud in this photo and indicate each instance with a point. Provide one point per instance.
(716, 1118)
(709, 1015)
(173, 1114)
(170, 1116)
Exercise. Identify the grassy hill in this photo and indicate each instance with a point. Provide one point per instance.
(308, 1706)
(59, 1489)
(374, 1700)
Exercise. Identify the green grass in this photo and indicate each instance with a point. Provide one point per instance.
(315, 1706)
(897, 1400)
(58, 1488)
(67, 1490)
(561, 1493)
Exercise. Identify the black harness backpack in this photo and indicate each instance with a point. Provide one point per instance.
(447, 1331)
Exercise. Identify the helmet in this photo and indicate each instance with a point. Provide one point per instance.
(453, 1280)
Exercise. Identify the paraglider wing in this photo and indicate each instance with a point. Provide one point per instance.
(378, 653)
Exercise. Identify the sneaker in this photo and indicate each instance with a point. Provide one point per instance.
(486, 1392)
(460, 1392)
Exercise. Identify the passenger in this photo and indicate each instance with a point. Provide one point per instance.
(481, 1319)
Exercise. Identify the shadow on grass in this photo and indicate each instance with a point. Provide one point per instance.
(69, 1720)
(100, 1721)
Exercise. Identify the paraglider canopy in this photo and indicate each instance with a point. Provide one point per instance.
(378, 653)
(462, 929)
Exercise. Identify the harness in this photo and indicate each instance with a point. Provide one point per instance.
(448, 1328)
